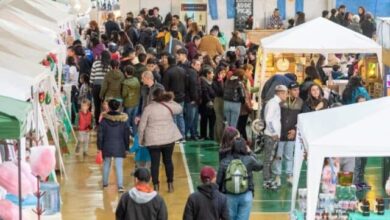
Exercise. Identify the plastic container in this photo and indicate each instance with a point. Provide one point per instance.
(51, 202)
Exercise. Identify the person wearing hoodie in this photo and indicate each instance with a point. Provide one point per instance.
(208, 203)
(131, 92)
(112, 82)
(141, 202)
(234, 95)
(158, 132)
(113, 141)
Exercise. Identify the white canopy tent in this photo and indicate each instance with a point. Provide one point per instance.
(317, 36)
(357, 130)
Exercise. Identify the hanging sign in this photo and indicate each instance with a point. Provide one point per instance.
(244, 9)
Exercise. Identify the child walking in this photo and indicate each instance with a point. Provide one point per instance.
(142, 156)
(85, 125)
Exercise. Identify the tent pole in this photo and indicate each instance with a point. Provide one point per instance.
(20, 179)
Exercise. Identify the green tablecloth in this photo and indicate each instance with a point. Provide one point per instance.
(358, 216)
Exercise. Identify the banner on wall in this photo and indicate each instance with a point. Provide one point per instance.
(213, 9)
(230, 4)
(196, 11)
(244, 9)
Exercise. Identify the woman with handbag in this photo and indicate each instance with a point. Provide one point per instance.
(158, 132)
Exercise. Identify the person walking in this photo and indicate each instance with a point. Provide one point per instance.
(141, 202)
(218, 86)
(113, 141)
(99, 70)
(158, 132)
(112, 83)
(131, 93)
(174, 81)
(234, 95)
(289, 119)
(207, 203)
(272, 132)
(235, 179)
(206, 108)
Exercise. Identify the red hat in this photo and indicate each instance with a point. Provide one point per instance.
(207, 174)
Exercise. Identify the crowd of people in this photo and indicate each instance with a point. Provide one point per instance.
(149, 81)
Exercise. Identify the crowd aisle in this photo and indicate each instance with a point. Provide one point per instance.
(83, 197)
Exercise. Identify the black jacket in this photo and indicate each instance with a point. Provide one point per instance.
(174, 81)
(368, 28)
(218, 88)
(234, 90)
(134, 35)
(251, 164)
(192, 86)
(110, 27)
(208, 203)
(147, 95)
(289, 116)
(307, 107)
(113, 135)
(137, 205)
(208, 93)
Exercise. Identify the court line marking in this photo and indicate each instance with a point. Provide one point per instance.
(189, 178)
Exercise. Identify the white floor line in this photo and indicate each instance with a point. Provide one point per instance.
(189, 178)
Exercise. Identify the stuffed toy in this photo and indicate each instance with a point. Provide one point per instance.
(9, 211)
(9, 179)
(42, 161)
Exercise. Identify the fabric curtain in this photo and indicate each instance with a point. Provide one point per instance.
(298, 6)
(231, 9)
(213, 8)
(282, 8)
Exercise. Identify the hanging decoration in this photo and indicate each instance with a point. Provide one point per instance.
(41, 97)
(282, 8)
(213, 7)
(230, 7)
(50, 61)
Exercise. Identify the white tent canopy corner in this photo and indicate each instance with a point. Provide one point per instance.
(357, 130)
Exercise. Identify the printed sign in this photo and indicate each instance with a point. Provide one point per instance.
(244, 9)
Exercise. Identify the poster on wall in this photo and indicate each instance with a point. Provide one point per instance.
(196, 11)
(244, 9)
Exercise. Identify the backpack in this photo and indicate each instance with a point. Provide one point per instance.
(236, 181)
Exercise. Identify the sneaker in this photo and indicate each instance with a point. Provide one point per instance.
(290, 180)
(273, 186)
(121, 190)
(267, 184)
(277, 181)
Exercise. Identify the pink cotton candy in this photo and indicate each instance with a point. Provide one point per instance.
(42, 160)
(9, 179)
(9, 211)
(29, 177)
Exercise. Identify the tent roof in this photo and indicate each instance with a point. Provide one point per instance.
(319, 36)
(357, 125)
(13, 117)
(16, 48)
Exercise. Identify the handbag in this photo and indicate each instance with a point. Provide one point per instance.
(99, 158)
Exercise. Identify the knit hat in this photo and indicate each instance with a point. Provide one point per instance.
(207, 174)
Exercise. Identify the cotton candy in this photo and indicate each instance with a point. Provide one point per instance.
(9, 179)
(29, 177)
(9, 211)
(42, 160)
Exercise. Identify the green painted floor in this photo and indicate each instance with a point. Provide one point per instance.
(199, 154)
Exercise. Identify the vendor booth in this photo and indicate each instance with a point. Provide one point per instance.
(341, 136)
(291, 51)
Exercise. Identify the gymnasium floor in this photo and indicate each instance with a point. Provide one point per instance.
(83, 197)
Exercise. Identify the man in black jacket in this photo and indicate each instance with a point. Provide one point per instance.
(174, 81)
(192, 97)
(141, 202)
(208, 203)
(111, 25)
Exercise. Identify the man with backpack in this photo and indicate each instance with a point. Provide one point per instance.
(235, 179)
(208, 202)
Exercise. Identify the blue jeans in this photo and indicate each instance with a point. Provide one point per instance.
(131, 113)
(285, 152)
(231, 111)
(240, 205)
(118, 170)
(179, 121)
(191, 117)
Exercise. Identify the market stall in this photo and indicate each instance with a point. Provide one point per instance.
(292, 50)
(341, 136)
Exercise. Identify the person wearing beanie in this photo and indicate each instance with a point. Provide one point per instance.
(207, 203)
(141, 202)
(355, 24)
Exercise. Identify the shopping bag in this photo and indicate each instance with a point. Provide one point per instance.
(99, 158)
